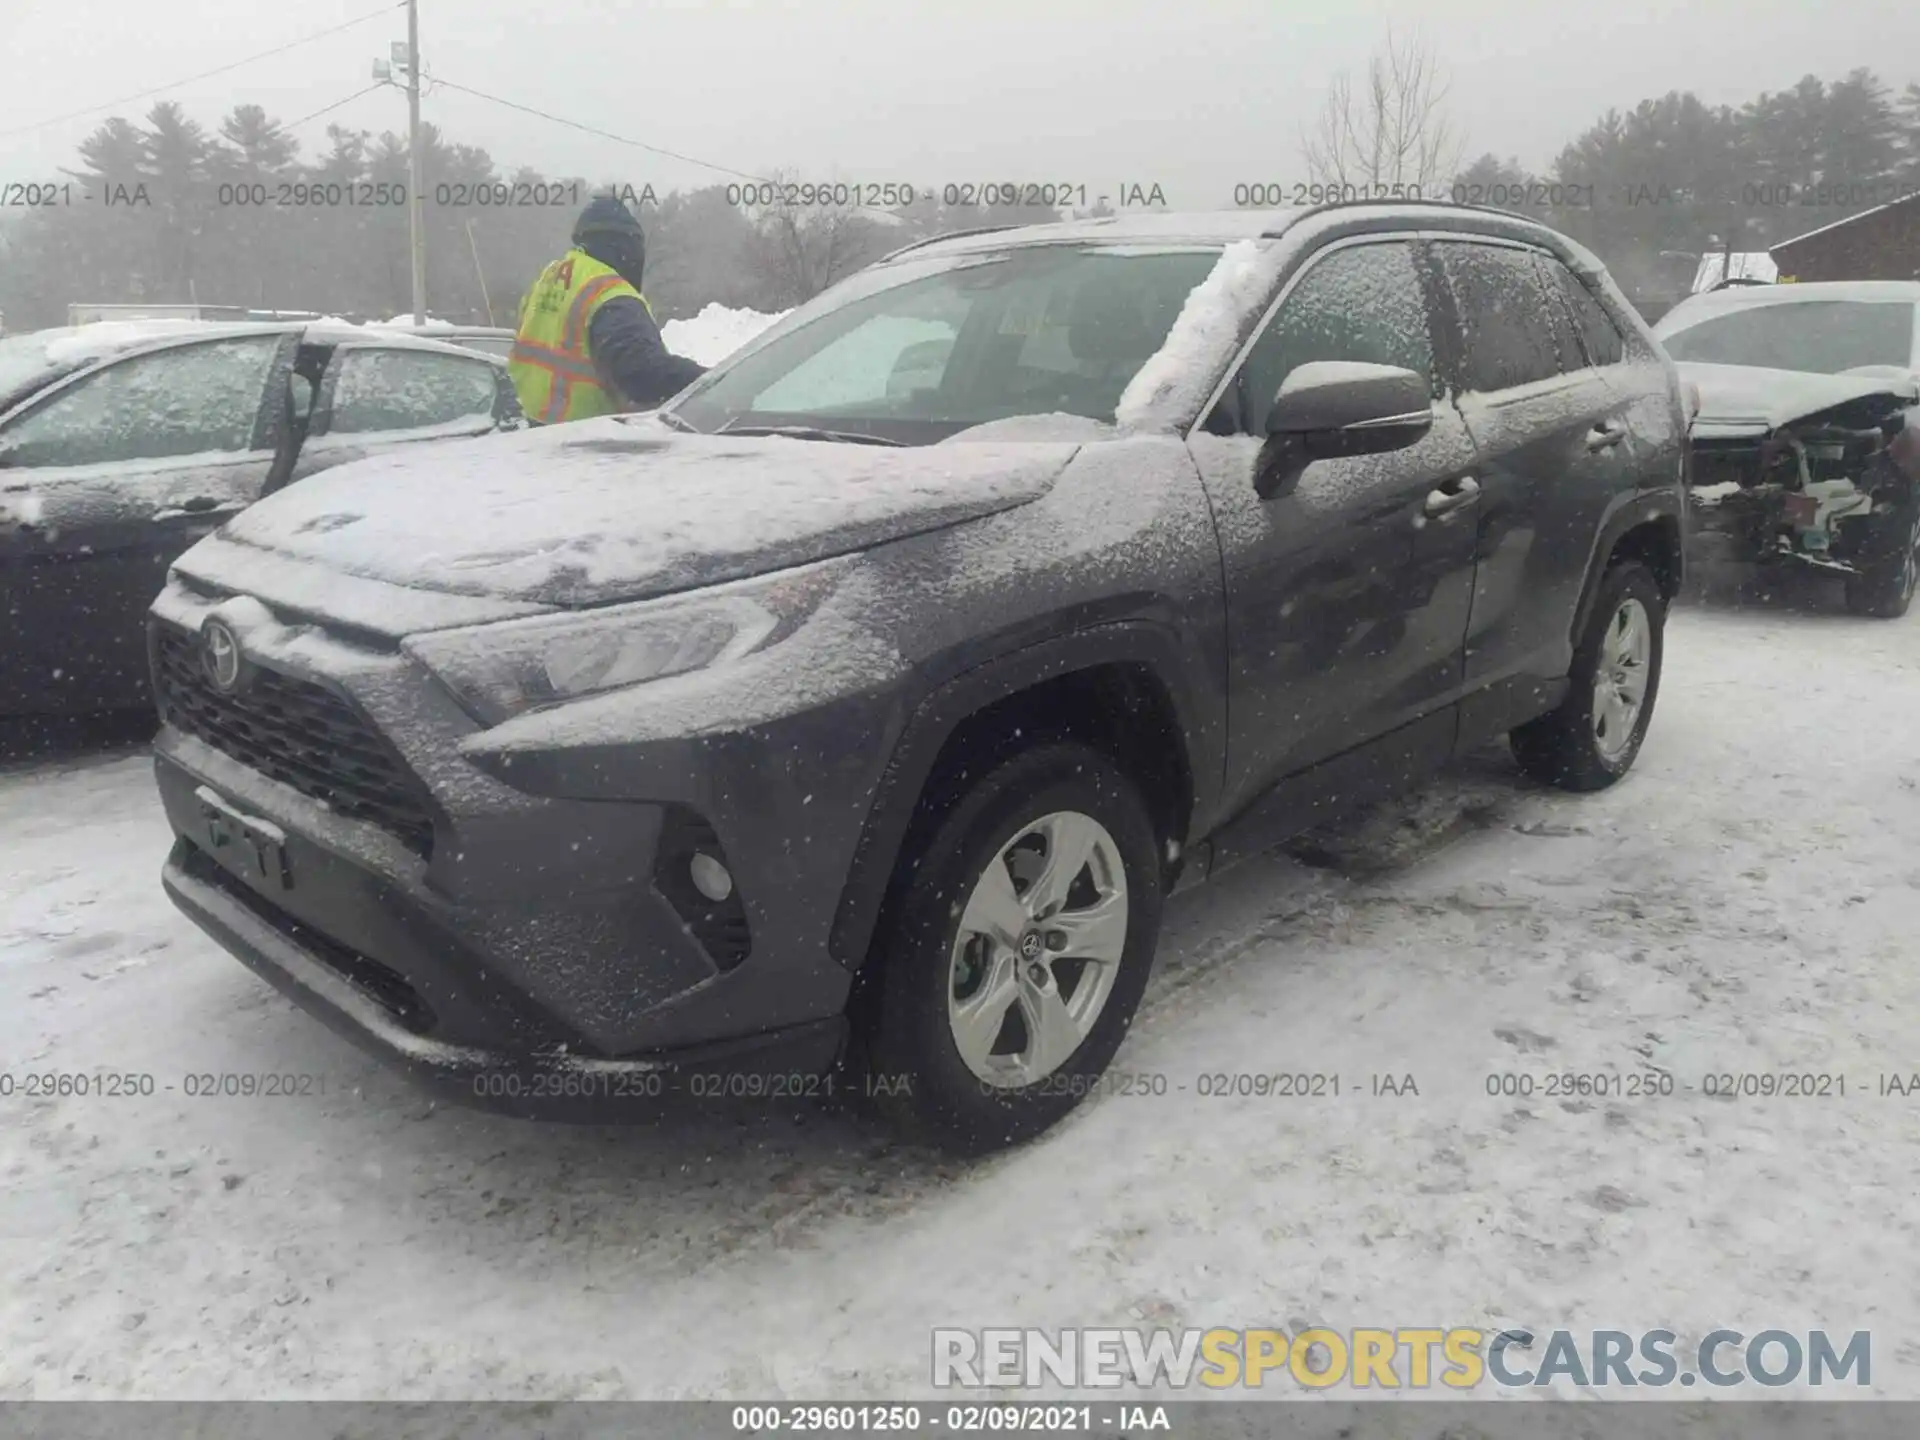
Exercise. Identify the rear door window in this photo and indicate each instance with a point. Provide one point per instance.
(188, 400)
(1599, 336)
(1506, 331)
(1556, 313)
(378, 390)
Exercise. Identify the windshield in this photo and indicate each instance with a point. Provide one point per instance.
(1820, 336)
(1056, 329)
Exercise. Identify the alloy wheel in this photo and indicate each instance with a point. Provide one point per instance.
(1620, 679)
(1038, 948)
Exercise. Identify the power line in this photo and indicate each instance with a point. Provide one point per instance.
(204, 75)
(603, 134)
(328, 109)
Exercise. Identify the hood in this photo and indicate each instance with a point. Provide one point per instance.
(1741, 400)
(611, 510)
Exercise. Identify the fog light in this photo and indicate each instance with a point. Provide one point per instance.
(710, 877)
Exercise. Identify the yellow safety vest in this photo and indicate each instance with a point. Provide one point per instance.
(552, 372)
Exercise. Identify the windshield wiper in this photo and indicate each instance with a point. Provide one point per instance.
(667, 417)
(808, 432)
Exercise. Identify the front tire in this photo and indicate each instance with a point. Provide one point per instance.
(1591, 740)
(1885, 591)
(1020, 935)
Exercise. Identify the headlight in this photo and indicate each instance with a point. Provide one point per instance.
(499, 671)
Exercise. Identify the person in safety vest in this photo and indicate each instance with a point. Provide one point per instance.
(587, 343)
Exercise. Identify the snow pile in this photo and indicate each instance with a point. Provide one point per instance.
(716, 332)
(1208, 325)
(405, 322)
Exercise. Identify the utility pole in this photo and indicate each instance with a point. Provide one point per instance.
(416, 184)
(408, 54)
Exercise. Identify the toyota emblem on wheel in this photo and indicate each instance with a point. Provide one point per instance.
(220, 655)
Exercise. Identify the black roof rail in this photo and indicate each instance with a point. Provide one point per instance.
(955, 235)
(1392, 200)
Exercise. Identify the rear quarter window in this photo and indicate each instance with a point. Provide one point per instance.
(1604, 343)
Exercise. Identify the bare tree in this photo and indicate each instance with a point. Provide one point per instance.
(1391, 130)
(802, 248)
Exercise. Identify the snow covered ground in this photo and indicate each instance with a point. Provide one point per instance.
(715, 333)
(1747, 901)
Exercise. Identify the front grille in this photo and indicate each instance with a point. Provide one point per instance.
(299, 733)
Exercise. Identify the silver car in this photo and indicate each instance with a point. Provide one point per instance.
(122, 444)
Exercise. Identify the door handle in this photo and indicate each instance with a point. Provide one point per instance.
(199, 507)
(1452, 495)
(1605, 435)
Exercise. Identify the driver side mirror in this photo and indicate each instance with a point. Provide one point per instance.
(1330, 409)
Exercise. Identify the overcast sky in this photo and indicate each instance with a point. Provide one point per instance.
(1195, 96)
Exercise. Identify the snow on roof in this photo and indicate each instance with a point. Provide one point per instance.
(431, 328)
(1207, 227)
(48, 352)
(1215, 227)
(103, 337)
(1747, 265)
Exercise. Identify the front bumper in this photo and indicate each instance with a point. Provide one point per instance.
(363, 1003)
(528, 952)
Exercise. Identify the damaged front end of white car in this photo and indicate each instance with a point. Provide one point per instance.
(1820, 471)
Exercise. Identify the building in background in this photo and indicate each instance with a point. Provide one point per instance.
(1878, 244)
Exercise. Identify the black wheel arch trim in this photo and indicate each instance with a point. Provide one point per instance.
(1647, 507)
(941, 712)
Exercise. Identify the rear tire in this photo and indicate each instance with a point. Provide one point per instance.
(1591, 740)
(1885, 590)
(968, 937)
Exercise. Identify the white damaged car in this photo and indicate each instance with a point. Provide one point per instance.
(1806, 444)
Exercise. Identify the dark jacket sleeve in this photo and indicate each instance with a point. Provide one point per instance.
(630, 356)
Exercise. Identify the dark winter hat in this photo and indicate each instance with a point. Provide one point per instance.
(606, 215)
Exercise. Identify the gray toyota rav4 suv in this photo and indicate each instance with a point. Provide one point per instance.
(847, 721)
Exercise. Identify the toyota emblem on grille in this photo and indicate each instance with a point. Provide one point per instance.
(220, 655)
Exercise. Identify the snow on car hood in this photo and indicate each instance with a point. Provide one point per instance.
(609, 510)
(1747, 399)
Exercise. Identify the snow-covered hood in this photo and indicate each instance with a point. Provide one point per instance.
(613, 510)
(1738, 400)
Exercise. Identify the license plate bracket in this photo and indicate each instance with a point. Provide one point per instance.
(255, 847)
